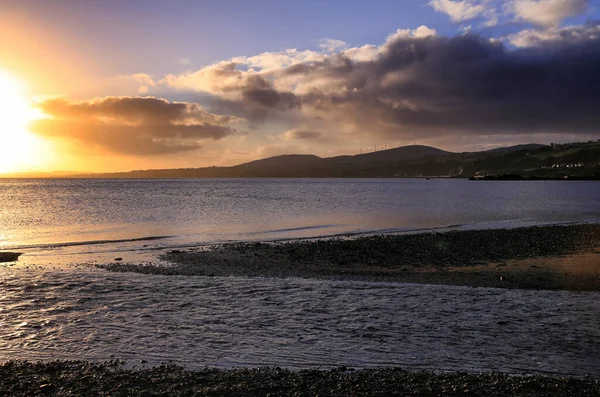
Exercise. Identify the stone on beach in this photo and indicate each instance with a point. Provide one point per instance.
(9, 256)
(433, 258)
(111, 378)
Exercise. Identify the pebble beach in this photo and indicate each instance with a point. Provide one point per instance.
(523, 258)
(111, 379)
(433, 258)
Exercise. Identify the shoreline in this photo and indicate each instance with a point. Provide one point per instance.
(563, 257)
(528, 257)
(60, 378)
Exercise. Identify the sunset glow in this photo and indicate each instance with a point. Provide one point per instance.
(299, 197)
(20, 149)
(119, 90)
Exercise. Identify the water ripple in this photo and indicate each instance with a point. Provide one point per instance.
(296, 323)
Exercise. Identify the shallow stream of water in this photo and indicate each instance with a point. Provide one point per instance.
(224, 322)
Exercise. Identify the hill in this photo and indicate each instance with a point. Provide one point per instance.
(279, 165)
(516, 148)
(291, 166)
(576, 160)
(404, 153)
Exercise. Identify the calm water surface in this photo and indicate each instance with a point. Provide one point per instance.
(65, 213)
(69, 312)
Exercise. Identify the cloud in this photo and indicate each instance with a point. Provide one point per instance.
(301, 133)
(217, 78)
(420, 32)
(435, 86)
(270, 62)
(230, 77)
(244, 93)
(332, 45)
(419, 85)
(367, 52)
(145, 81)
(568, 35)
(546, 13)
(132, 125)
(458, 11)
(492, 17)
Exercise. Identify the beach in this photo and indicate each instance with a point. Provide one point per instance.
(111, 379)
(300, 198)
(563, 257)
(558, 258)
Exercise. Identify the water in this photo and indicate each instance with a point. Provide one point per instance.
(72, 312)
(63, 214)
(226, 322)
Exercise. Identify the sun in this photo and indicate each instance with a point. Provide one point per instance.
(19, 150)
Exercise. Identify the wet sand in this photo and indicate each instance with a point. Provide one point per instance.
(112, 379)
(541, 257)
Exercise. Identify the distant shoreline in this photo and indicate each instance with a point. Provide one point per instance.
(538, 257)
(518, 177)
(573, 160)
(515, 177)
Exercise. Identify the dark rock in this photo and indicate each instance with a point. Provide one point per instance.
(9, 256)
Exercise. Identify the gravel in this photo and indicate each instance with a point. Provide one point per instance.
(75, 378)
(421, 258)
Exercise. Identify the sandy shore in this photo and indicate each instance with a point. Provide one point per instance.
(111, 379)
(543, 257)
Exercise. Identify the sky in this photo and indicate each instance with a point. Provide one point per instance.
(119, 85)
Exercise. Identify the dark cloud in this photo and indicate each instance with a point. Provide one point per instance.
(257, 105)
(245, 109)
(303, 134)
(469, 84)
(132, 125)
(435, 86)
(270, 98)
(569, 35)
(259, 98)
(259, 94)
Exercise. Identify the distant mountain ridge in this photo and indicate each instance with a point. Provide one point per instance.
(516, 148)
(291, 165)
(284, 164)
(403, 153)
(579, 159)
